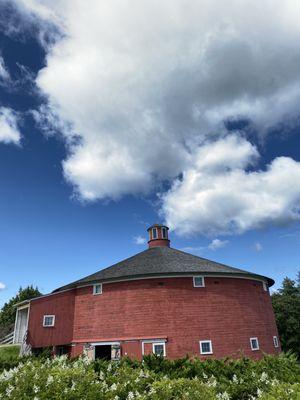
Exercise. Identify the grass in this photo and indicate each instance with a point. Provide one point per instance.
(9, 352)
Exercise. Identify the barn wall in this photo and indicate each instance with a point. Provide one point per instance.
(62, 306)
(227, 311)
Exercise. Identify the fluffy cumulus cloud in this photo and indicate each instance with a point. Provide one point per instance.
(217, 244)
(2, 286)
(146, 87)
(139, 240)
(227, 198)
(9, 131)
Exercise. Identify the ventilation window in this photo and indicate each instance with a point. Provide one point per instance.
(164, 233)
(48, 320)
(97, 289)
(206, 347)
(254, 344)
(154, 233)
(198, 281)
(159, 349)
(275, 341)
(265, 286)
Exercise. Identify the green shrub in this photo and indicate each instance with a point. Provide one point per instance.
(9, 357)
(181, 389)
(154, 378)
(283, 391)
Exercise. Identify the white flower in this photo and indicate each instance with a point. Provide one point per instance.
(113, 387)
(223, 396)
(9, 389)
(50, 379)
(130, 396)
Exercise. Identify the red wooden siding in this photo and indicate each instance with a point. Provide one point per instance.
(227, 311)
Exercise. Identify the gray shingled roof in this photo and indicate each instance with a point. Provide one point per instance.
(161, 261)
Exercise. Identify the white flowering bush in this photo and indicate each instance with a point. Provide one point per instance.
(154, 378)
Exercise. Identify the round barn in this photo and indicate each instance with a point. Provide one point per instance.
(161, 301)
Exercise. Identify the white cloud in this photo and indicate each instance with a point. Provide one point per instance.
(258, 247)
(9, 131)
(4, 74)
(148, 85)
(139, 240)
(217, 244)
(231, 199)
(2, 286)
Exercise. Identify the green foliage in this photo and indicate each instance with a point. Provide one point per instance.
(9, 356)
(282, 391)
(181, 389)
(286, 304)
(8, 311)
(152, 379)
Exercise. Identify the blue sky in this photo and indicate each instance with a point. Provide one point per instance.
(102, 135)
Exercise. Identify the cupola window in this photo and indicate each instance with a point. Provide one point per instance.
(154, 233)
(164, 233)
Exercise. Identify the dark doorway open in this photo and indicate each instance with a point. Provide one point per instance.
(103, 352)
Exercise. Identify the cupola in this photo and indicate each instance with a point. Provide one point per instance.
(158, 236)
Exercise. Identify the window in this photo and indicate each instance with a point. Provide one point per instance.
(198, 281)
(154, 233)
(265, 286)
(164, 233)
(97, 289)
(206, 347)
(254, 343)
(49, 320)
(275, 341)
(159, 349)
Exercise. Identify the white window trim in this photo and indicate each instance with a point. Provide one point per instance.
(159, 344)
(53, 321)
(164, 233)
(95, 293)
(257, 348)
(210, 345)
(154, 229)
(194, 281)
(265, 286)
(275, 342)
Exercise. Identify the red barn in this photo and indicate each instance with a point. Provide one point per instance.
(161, 301)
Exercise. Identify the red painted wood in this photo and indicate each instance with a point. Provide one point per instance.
(227, 311)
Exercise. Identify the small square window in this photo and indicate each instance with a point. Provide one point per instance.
(48, 320)
(275, 341)
(265, 286)
(154, 233)
(97, 289)
(254, 344)
(164, 233)
(198, 281)
(159, 349)
(206, 347)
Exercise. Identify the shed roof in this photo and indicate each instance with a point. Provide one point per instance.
(161, 261)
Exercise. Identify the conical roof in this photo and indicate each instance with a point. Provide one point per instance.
(162, 261)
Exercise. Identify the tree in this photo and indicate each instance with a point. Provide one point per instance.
(8, 311)
(286, 304)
